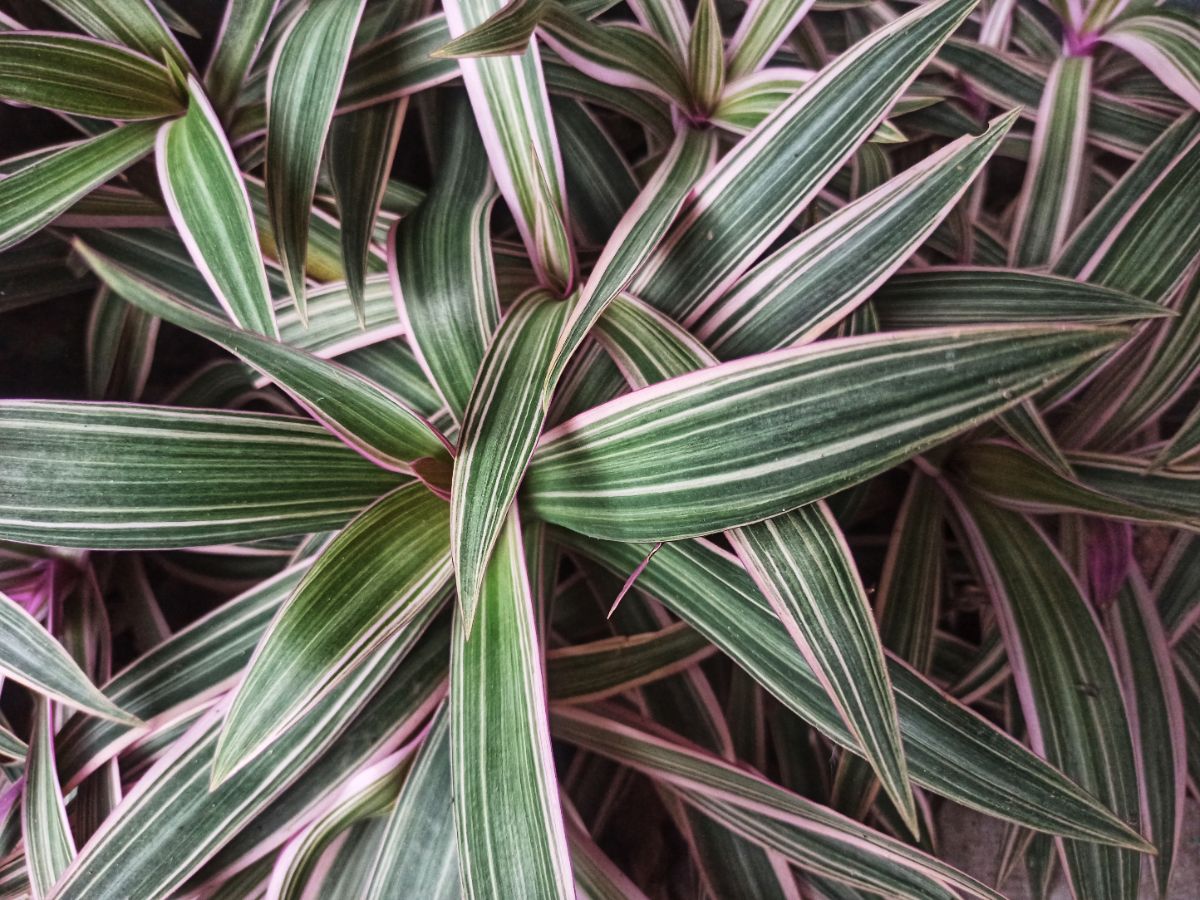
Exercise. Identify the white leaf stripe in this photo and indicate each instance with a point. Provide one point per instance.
(29, 655)
(134, 23)
(802, 565)
(155, 477)
(755, 191)
(1054, 176)
(207, 199)
(800, 424)
(500, 429)
(243, 29)
(511, 838)
(797, 292)
(1167, 44)
(364, 415)
(303, 81)
(372, 580)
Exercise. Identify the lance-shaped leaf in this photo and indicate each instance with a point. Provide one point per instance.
(207, 199)
(750, 439)
(802, 565)
(1114, 124)
(816, 837)
(362, 145)
(380, 572)
(508, 95)
(38, 193)
(706, 57)
(1185, 442)
(966, 295)
(128, 476)
(505, 33)
(305, 77)
(616, 54)
(1167, 491)
(134, 23)
(1014, 478)
(30, 656)
(368, 793)
(1054, 177)
(1144, 236)
(1156, 715)
(138, 851)
(818, 278)
(635, 237)
(599, 669)
(84, 76)
(1168, 44)
(243, 29)
(511, 839)
(440, 263)
(1065, 679)
(49, 847)
(365, 416)
(500, 429)
(419, 849)
(756, 190)
(764, 26)
(393, 66)
(950, 749)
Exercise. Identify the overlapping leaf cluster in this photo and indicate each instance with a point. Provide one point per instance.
(650, 448)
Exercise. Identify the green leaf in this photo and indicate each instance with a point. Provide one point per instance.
(362, 145)
(1054, 177)
(802, 565)
(128, 476)
(1166, 43)
(965, 295)
(500, 428)
(369, 583)
(747, 200)
(138, 852)
(83, 76)
(764, 26)
(442, 267)
(305, 77)
(36, 194)
(11, 746)
(134, 23)
(121, 340)
(794, 426)
(49, 847)
(706, 57)
(1156, 716)
(511, 839)
(508, 95)
(800, 290)
(633, 239)
(1065, 679)
(950, 749)
(237, 45)
(812, 836)
(366, 417)
(505, 33)
(29, 655)
(207, 198)
(419, 849)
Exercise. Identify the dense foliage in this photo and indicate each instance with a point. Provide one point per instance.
(615, 449)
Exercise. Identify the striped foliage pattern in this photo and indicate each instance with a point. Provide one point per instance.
(599, 448)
